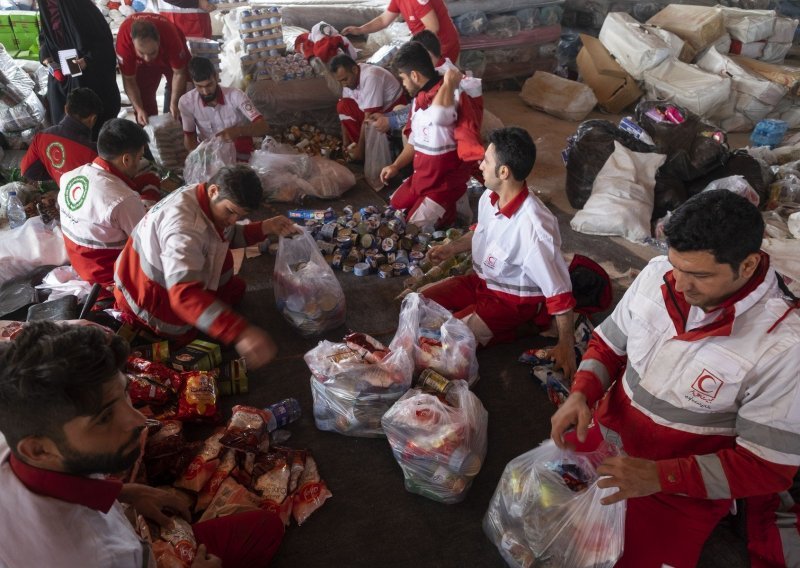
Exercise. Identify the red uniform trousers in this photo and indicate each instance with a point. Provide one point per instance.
(245, 539)
(192, 24)
(465, 295)
(773, 531)
(352, 117)
(148, 77)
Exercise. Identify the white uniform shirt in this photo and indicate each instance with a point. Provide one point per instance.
(233, 108)
(377, 88)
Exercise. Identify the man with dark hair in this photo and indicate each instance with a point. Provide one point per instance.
(440, 175)
(365, 89)
(190, 16)
(213, 110)
(520, 275)
(67, 421)
(694, 375)
(78, 25)
(419, 15)
(68, 144)
(99, 205)
(176, 272)
(149, 46)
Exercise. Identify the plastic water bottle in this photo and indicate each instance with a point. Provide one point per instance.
(15, 211)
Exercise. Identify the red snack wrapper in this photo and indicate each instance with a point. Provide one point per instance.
(311, 494)
(231, 498)
(181, 537)
(166, 556)
(164, 440)
(227, 461)
(273, 485)
(368, 347)
(202, 466)
(156, 371)
(9, 330)
(198, 399)
(145, 389)
(248, 429)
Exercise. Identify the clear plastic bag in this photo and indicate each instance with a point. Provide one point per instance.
(440, 341)
(738, 185)
(207, 159)
(30, 113)
(471, 23)
(440, 446)
(307, 292)
(378, 155)
(331, 179)
(166, 141)
(15, 85)
(351, 393)
(289, 176)
(503, 26)
(546, 511)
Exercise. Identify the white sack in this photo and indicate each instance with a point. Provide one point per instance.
(636, 47)
(686, 85)
(748, 26)
(30, 246)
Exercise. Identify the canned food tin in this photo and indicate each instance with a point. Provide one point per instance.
(361, 269)
(385, 271)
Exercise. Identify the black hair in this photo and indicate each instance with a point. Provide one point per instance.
(201, 69)
(142, 29)
(429, 41)
(53, 373)
(515, 149)
(342, 60)
(83, 103)
(717, 221)
(413, 56)
(120, 136)
(240, 184)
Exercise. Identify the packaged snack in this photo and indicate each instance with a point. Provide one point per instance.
(311, 494)
(273, 485)
(227, 461)
(158, 352)
(167, 439)
(233, 378)
(198, 398)
(199, 355)
(248, 429)
(203, 466)
(156, 371)
(166, 556)
(369, 348)
(181, 537)
(146, 389)
(231, 497)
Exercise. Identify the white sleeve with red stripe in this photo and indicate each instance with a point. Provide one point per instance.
(544, 265)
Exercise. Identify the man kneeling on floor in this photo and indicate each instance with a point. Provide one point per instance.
(175, 273)
(67, 420)
(520, 275)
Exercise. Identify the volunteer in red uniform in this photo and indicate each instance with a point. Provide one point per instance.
(519, 273)
(190, 16)
(148, 47)
(440, 176)
(66, 421)
(694, 375)
(419, 15)
(213, 110)
(365, 89)
(176, 272)
(99, 207)
(68, 144)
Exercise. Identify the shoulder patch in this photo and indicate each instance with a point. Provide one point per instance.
(56, 153)
(76, 191)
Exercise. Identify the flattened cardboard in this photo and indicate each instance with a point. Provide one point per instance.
(614, 88)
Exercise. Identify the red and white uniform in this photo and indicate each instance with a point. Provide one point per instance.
(520, 274)
(205, 121)
(440, 177)
(98, 213)
(378, 91)
(60, 520)
(713, 398)
(172, 55)
(414, 10)
(185, 14)
(176, 272)
(58, 149)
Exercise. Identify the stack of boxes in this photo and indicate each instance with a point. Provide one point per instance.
(262, 37)
(19, 33)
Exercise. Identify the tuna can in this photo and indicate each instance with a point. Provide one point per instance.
(367, 241)
(399, 268)
(328, 231)
(388, 245)
(439, 235)
(361, 269)
(385, 271)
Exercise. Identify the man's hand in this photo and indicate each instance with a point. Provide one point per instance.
(574, 412)
(635, 477)
(173, 110)
(279, 225)
(379, 121)
(202, 559)
(388, 173)
(564, 357)
(81, 63)
(150, 502)
(206, 6)
(229, 134)
(351, 30)
(141, 116)
(440, 253)
(452, 78)
(256, 346)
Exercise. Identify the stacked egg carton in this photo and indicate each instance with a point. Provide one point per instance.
(262, 37)
(206, 48)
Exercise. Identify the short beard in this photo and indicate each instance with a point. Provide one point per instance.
(211, 97)
(77, 463)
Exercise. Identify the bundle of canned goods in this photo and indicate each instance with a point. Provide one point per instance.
(438, 437)
(283, 68)
(206, 48)
(373, 241)
(262, 33)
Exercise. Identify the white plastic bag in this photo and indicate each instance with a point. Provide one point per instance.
(440, 446)
(289, 176)
(64, 281)
(330, 179)
(30, 246)
(736, 184)
(207, 159)
(307, 292)
(688, 86)
(440, 341)
(621, 202)
(377, 156)
(547, 509)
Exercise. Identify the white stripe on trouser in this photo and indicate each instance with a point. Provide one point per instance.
(479, 328)
(427, 214)
(345, 117)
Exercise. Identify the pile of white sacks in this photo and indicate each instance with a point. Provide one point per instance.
(723, 64)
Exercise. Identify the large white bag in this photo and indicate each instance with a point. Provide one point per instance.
(635, 47)
(207, 159)
(748, 26)
(30, 246)
(622, 197)
(688, 86)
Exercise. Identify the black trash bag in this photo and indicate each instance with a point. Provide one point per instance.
(589, 149)
(740, 163)
(692, 147)
(670, 192)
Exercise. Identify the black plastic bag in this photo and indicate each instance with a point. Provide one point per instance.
(589, 149)
(740, 163)
(670, 193)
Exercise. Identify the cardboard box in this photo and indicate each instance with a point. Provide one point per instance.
(614, 88)
(233, 378)
(199, 355)
(785, 75)
(158, 352)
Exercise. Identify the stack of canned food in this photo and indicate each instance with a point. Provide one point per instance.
(262, 36)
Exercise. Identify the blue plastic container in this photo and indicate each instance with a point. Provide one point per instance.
(768, 132)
